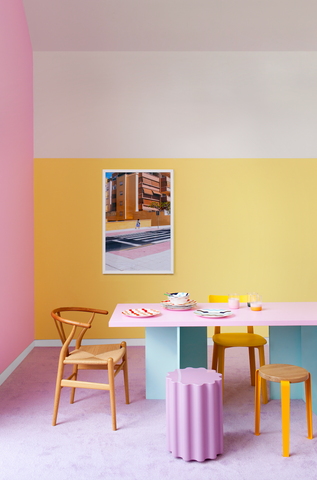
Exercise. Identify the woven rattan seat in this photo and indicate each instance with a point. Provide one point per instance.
(95, 354)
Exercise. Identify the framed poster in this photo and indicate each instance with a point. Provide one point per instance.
(138, 222)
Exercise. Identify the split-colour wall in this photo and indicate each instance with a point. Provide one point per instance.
(16, 185)
(238, 131)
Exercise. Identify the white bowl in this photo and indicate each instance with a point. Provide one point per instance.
(178, 298)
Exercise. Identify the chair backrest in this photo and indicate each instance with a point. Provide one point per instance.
(224, 299)
(60, 321)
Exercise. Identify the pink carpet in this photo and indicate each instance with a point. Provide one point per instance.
(83, 446)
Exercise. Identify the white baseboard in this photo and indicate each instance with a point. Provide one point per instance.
(7, 372)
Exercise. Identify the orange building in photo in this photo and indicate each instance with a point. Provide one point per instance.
(129, 195)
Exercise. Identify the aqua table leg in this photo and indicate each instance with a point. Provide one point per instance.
(309, 358)
(168, 348)
(285, 347)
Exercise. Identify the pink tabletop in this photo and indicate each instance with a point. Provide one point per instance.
(272, 314)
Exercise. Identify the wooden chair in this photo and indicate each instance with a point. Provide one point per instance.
(284, 374)
(228, 340)
(93, 357)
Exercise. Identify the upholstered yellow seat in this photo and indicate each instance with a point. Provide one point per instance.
(228, 340)
(239, 340)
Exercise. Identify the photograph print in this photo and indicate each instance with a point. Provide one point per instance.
(138, 221)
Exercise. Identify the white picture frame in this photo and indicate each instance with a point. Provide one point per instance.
(138, 221)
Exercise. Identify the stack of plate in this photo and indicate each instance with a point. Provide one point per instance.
(212, 313)
(187, 305)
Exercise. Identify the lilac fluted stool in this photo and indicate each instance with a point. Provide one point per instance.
(194, 413)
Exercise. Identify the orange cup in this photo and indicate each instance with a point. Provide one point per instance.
(256, 303)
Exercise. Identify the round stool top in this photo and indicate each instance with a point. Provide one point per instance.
(279, 372)
(194, 376)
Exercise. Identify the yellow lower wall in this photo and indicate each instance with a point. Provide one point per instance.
(240, 225)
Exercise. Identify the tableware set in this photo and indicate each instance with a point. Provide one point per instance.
(178, 301)
(181, 301)
(178, 298)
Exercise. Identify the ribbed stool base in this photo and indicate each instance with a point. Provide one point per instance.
(194, 413)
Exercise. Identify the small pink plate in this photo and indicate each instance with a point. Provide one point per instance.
(141, 312)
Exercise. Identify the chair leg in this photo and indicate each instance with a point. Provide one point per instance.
(257, 402)
(264, 382)
(112, 393)
(214, 357)
(58, 389)
(72, 394)
(285, 405)
(252, 365)
(221, 365)
(125, 373)
(309, 407)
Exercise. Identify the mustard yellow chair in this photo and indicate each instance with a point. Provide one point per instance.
(228, 340)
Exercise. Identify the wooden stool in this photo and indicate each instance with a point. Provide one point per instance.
(284, 374)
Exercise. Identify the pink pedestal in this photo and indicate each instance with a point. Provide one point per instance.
(194, 413)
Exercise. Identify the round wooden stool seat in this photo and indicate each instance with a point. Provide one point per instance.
(280, 372)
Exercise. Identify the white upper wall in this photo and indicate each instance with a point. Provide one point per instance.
(174, 78)
(172, 25)
(175, 104)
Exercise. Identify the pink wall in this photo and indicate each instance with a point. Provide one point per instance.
(16, 183)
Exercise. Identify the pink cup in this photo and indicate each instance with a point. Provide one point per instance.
(234, 301)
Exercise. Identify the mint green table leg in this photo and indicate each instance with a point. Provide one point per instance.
(168, 348)
(285, 347)
(161, 357)
(309, 359)
(193, 347)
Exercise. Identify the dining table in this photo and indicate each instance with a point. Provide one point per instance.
(178, 338)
